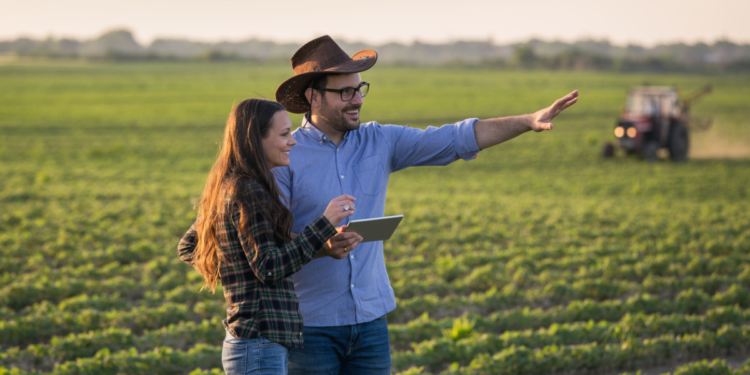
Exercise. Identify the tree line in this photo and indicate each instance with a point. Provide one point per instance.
(601, 55)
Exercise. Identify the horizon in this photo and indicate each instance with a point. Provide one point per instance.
(353, 41)
(641, 22)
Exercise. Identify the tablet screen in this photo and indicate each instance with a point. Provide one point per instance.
(376, 229)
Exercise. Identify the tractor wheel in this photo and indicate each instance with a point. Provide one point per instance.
(679, 143)
(650, 150)
(608, 150)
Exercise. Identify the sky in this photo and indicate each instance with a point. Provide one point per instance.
(645, 22)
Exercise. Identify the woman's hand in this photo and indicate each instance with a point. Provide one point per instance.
(339, 208)
(340, 245)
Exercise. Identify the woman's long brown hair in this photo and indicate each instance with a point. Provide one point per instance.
(241, 160)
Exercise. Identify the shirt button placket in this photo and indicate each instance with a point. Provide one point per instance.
(340, 169)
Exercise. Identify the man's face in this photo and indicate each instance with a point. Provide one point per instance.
(340, 115)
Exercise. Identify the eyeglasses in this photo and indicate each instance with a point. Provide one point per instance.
(347, 93)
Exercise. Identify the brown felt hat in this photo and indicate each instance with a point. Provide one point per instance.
(319, 56)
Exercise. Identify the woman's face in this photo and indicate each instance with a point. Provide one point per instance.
(279, 141)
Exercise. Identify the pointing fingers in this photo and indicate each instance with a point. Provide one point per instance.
(569, 103)
(566, 101)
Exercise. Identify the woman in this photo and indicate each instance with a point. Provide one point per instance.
(243, 238)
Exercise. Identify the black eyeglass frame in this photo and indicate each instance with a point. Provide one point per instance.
(357, 89)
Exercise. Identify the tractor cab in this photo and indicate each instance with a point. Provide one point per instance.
(652, 100)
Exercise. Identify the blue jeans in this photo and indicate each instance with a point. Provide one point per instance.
(355, 349)
(254, 356)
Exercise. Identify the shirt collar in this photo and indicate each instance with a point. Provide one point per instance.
(311, 130)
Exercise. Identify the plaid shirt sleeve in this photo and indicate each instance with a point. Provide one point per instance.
(187, 245)
(274, 263)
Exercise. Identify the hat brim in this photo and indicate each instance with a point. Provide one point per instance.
(291, 92)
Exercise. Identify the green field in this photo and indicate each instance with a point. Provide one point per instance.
(538, 257)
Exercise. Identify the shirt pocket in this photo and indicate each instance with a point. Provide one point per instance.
(370, 175)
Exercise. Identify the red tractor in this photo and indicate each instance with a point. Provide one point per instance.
(655, 118)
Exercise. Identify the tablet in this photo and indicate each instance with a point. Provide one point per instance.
(376, 229)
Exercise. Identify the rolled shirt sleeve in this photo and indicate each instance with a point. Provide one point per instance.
(187, 245)
(431, 146)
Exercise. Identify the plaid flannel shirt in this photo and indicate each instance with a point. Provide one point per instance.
(260, 293)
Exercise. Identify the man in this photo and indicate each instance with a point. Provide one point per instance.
(345, 293)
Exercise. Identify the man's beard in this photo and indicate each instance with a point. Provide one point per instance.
(337, 119)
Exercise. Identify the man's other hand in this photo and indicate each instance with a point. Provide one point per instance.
(542, 119)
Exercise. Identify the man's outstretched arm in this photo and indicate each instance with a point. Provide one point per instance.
(498, 130)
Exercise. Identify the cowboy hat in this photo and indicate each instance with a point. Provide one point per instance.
(319, 56)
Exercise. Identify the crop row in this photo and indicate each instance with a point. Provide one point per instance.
(161, 360)
(184, 334)
(35, 329)
(19, 295)
(54, 321)
(462, 272)
(534, 289)
(606, 254)
(704, 367)
(595, 358)
(610, 231)
(613, 260)
(450, 275)
(60, 246)
(152, 269)
(70, 226)
(552, 359)
(483, 279)
(462, 343)
(727, 256)
(104, 302)
(172, 286)
(693, 250)
(179, 336)
(690, 302)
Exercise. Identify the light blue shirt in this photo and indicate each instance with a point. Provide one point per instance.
(356, 289)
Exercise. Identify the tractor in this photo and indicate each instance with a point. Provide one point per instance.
(655, 118)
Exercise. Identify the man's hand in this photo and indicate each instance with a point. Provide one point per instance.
(340, 207)
(542, 119)
(340, 245)
(494, 131)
